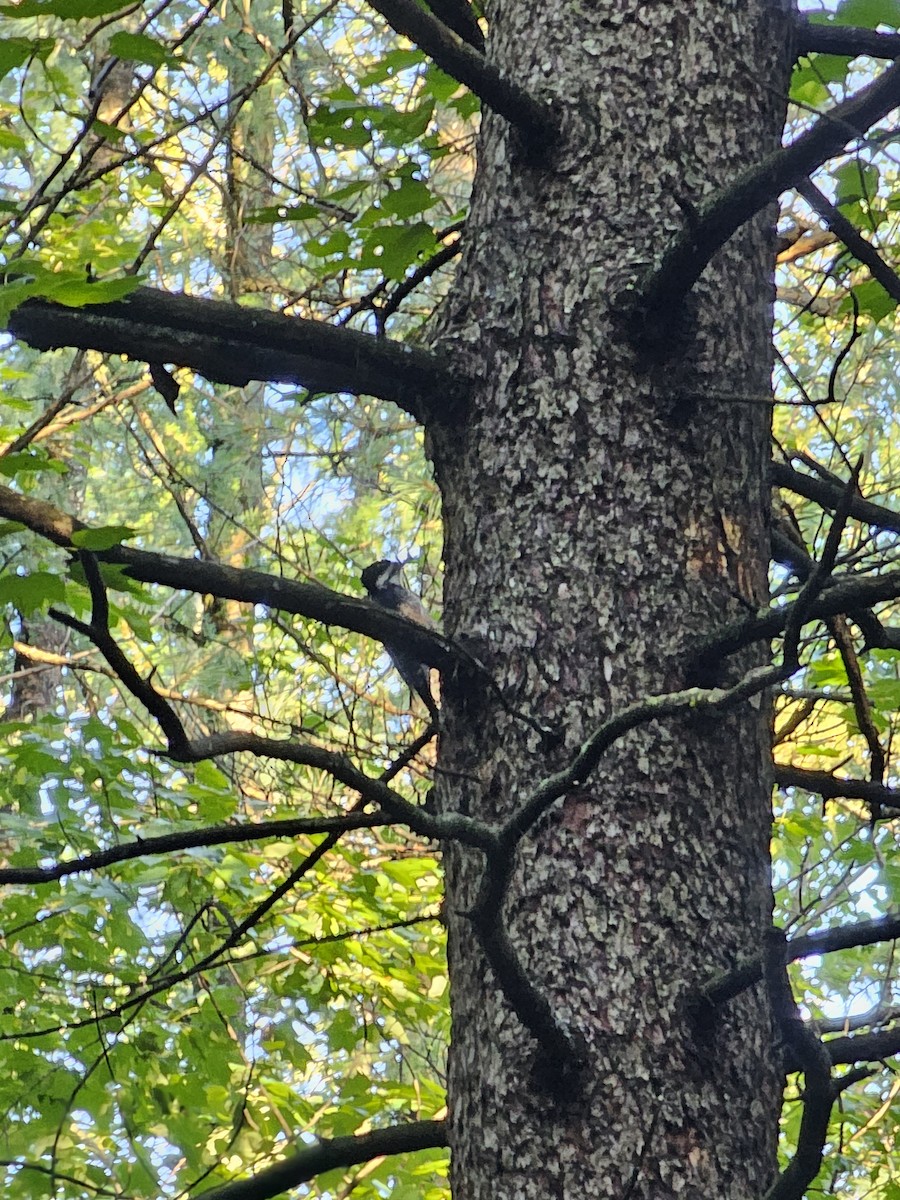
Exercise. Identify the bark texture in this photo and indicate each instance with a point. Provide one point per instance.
(603, 510)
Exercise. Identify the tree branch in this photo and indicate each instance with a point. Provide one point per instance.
(845, 937)
(654, 708)
(827, 494)
(653, 306)
(843, 594)
(329, 1155)
(818, 1094)
(186, 839)
(440, 826)
(230, 583)
(228, 343)
(534, 120)
(459, 16)
(833, 787)
(814, 38)
(181, 748)
(864, 1047)
(862, 250)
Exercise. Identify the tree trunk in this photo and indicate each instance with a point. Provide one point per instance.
(603, 511)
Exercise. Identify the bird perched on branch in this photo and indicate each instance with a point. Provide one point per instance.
(383, 581)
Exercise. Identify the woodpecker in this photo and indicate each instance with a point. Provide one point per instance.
(382, 581)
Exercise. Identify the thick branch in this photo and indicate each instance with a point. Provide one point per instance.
(862, 250)
(534, 120)
(828, 494)
(228, 343)
(833, 787)
(814, 38)
(845, 937)
(660, 297)
(459, 16)
(844, 594)
(230, 583)
(329, 1155)
(819, 1092)
(864, 1047)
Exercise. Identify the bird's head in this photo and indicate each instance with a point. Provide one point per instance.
(380, 574)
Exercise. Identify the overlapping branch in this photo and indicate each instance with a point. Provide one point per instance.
(227, 343)
(862, 250)
(727, 986)
(842, 594)
(827, 493)
(656, 302)
(819, 1092)
(188, 839)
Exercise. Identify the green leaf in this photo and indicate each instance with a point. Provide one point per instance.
(30, 462)
(31, 593)
(137, 47)
(872, 299)
(336, 243)
(114, 576)
(411, 197)
(856, 181)
(393, 248)
(868, 13)
(103, 537)
(273, 213)
(14, 52)
(71, 10)
(78, 294)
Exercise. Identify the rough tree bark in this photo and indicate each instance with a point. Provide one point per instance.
(605, 506)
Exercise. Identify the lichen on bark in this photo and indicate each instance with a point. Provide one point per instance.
(603, 511)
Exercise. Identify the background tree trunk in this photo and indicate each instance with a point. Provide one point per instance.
(601, 511)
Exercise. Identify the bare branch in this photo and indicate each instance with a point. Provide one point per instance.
(862, 250)
(230, 344)
(839, 629)
(459, 16)
(864, 1047)
(845, 937)
(827, 494)
(444, 826)
(186, 839)
(651, 308)
(814, 38)
(834, 787)
(844, 594)
(819, 1093)
(329, 1155)
(818, 577)
(98, 633)
(533, 119)
(725, 987)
